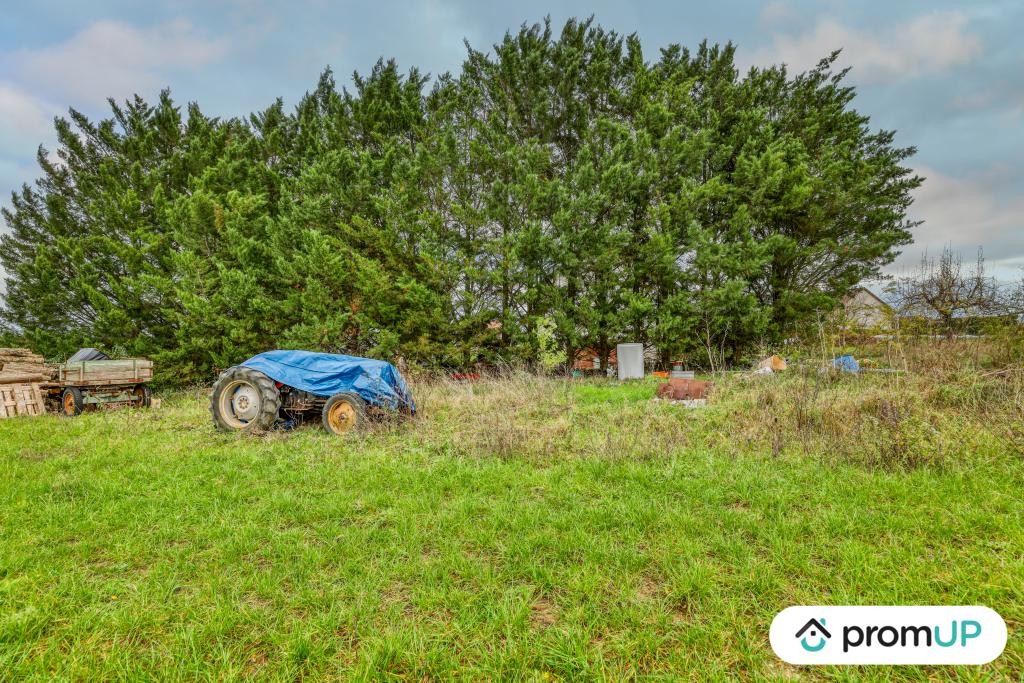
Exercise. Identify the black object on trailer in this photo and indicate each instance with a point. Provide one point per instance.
(88, 354)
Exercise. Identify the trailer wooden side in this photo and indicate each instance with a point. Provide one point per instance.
(105, 372)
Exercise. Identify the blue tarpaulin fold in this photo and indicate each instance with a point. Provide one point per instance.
(846, 363)
(377, 382)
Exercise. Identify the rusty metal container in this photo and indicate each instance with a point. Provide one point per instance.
(678, 389)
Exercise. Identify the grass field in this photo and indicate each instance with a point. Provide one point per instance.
(521, 529)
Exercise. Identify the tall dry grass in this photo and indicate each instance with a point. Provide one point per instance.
(901, 420)
(938, 407)
(921, 399)
(519, 414)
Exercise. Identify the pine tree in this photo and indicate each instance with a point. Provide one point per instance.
(559, 177)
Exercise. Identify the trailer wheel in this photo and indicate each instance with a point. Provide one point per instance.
(143, 396)
(71, 402)
(244, 399)
(344, 412)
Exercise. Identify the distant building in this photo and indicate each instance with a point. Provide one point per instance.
(864, 309)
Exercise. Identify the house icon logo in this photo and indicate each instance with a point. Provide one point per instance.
(816, 630)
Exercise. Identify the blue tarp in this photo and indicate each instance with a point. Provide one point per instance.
(846, 364)
(378, 382)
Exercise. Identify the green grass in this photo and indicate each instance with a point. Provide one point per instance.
(525, 530)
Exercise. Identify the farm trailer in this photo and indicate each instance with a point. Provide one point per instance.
(78, 385)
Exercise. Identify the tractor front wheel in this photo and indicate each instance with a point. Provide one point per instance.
(344, 412)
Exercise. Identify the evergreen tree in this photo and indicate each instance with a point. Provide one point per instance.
(87, 242)
(559, 179)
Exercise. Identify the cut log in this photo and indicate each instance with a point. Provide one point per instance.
(20, 356)
(39, 360)
(17, 352)
(22, 377)
(17, 366)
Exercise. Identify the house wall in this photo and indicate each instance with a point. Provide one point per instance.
(864, 310)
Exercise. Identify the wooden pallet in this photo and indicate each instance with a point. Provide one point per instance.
(21, 399)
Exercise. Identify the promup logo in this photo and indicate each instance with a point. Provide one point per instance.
(816, 628)
(888, 635)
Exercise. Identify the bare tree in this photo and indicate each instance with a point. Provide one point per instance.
(945, 291)
(1015, 299)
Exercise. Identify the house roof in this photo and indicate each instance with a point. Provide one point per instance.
(858, 290)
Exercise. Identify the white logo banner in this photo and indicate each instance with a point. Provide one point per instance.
(888, 635)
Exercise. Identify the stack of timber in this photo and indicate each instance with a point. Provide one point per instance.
(21, 372)
(21, 365)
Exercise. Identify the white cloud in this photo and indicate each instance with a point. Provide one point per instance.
(24, 113)
(966, 213)
(1007, 98)
(27, 123)
(926, 44)
(114, 59)
(776, 12)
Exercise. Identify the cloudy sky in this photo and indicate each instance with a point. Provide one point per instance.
(948, 76)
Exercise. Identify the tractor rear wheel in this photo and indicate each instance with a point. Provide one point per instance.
(244, 399)
(344, 412)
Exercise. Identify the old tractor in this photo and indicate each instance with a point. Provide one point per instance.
(286, 388)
